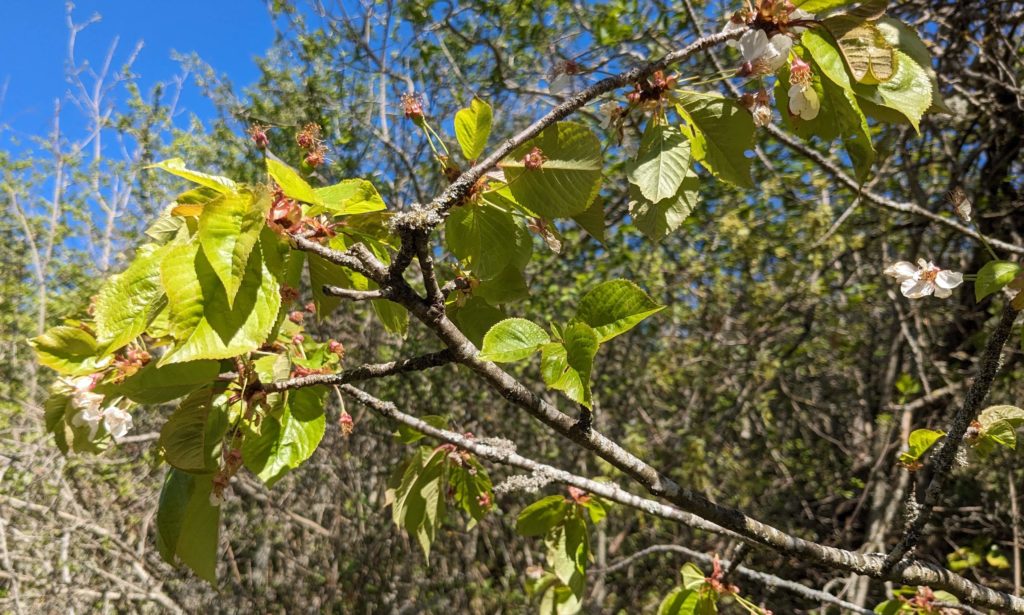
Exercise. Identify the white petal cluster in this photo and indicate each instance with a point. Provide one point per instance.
(763, 54)
(90, 413)
(803, 101)
(924, 279)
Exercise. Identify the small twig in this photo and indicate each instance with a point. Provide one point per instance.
(353, 295)
(368, 371)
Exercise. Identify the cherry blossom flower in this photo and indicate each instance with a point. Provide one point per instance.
(89, 417)
(117, 422)
(761, 55)
(925, 279)
(803, 99)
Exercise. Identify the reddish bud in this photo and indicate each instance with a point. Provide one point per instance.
(534, 159)
(258, 134)
(578, 496)
(412, 106)
(336, 347)
(284, 214)
(346, 424)
(309, 137)
(484, 500)
(296, 317)
(288, 294)
(310, 307)
(298, 338)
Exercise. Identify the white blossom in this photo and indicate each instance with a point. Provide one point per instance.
(924, 279)
(117, 422)
(763, 55)
(803, 101)
(89, 416)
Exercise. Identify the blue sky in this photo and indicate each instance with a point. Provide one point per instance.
(227, 34)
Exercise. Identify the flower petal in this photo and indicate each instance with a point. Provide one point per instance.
(901, 269)
(915, 289)
(942, 293)
(949, 279)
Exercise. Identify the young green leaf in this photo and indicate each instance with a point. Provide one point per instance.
(614, 307)
(480, 234)
(661, 163)
(187, 525)
(69, 350)
(472, 127)
(192, 435)
(176, 166)
(1001, 433)
(346, 198)
(720, 132)
(291, 182)
(204, 325)
(1011, 414)
(155, 385)
(918, 443)
(993, 276)
(566, 366)
(229, 227)
(513, 339)
(566, 182)
(540, 517)
(128, 301)
(286, 442)
(657, 220)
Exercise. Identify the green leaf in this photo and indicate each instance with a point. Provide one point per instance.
(69, 350)
(414, 493)
(156, 385)
(693, 577)
(905, 38)
(187, 525)
(993, 414)
(202, 321)
(191, 437)
(566, 366)
(128, 301)
(469, 483)
(1001, 433)
(479, 233)
(661, 164)
(614, 307)
(993, 276)
(346, 198)
(176, 166)
(229, 227)
(869, 57)
(472, 127)
(475, 318)
(889, 607)
(513, 339)
(657, 220)
(506, 287)
(539, 518)
(284, 443)
(568, 551)
(908, 92)
(568, 180)
(720, 132)
(848, 116)
(592, 220)
(680, 601)
(291, 182)
(819, 6)
(919, 442)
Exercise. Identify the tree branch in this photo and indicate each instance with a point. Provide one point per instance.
(769, 581)
(369, 371)
(942, 460)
